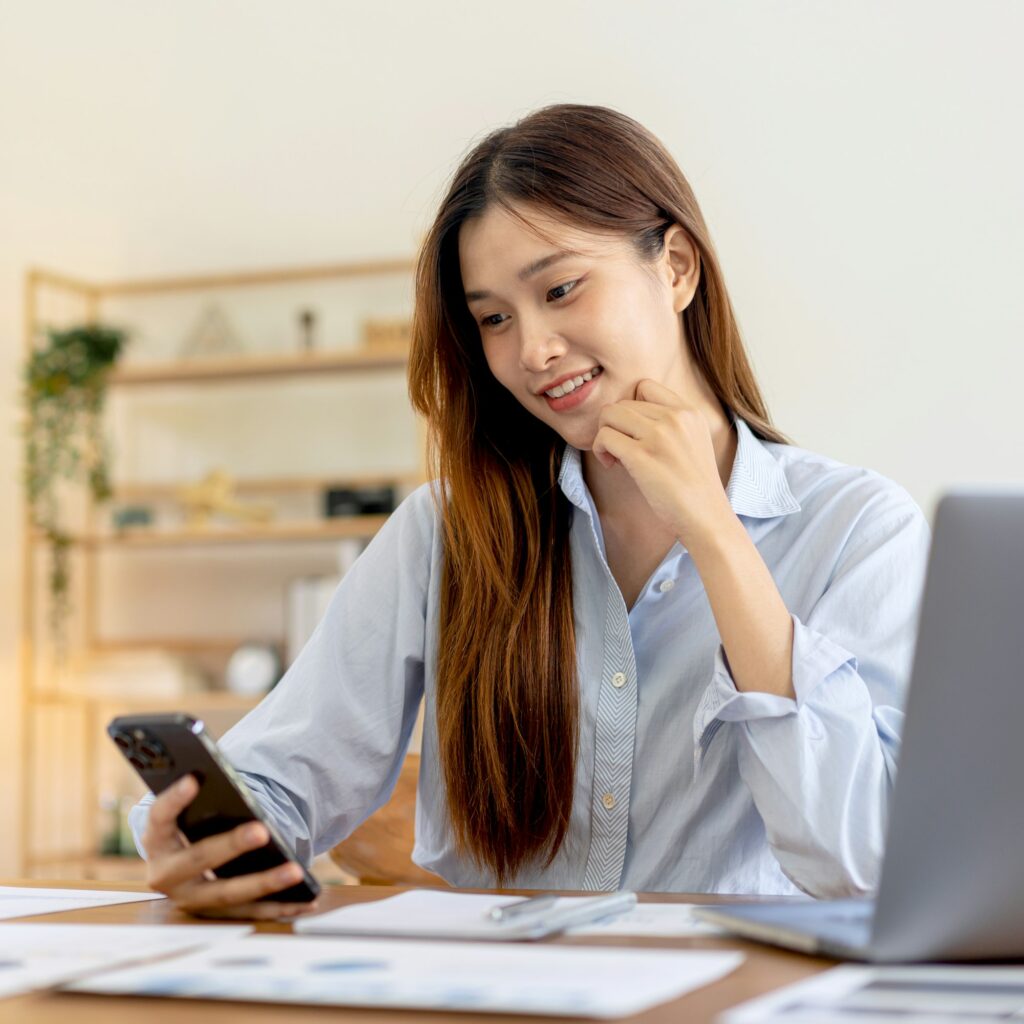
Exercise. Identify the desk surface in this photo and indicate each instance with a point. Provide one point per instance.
(763, 969)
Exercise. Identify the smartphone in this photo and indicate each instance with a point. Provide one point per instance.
(162, 749)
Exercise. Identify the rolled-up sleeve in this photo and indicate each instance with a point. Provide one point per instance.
(820, 767)
(323, 750)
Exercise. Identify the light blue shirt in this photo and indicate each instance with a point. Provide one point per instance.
(683, 783)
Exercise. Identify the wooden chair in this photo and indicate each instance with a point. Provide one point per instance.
(379, 852)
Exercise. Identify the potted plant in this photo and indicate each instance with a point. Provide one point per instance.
(65, 389)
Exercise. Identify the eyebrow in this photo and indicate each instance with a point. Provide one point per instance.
(528, 271)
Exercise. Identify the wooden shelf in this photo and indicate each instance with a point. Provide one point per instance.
(180, 644)
(341, 528)
(40, 860)
(198, 701)
(137, 491)
(222, 369)
(87, 867)
(270, 276)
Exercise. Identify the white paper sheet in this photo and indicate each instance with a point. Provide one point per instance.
(431, 913)
(654, 919)
(498, 978)
(937, 994)
(428, 914)
(38, 955)
(19, 901)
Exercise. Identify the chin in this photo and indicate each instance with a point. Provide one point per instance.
(581, 440)
(579, 435)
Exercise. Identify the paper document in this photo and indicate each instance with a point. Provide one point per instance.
(448, 976)
(659, 919)
(39, 955)
(437, 914)
(17, 901)
(934, 994)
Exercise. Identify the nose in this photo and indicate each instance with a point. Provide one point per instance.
(539, 346)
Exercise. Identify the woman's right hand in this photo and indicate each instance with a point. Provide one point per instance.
(183, 871)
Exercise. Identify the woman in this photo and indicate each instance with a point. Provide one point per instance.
(660, 647)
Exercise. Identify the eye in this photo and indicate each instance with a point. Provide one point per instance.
(492, 321)
(563, 289)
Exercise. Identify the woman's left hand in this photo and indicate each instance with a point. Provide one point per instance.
(666, 448)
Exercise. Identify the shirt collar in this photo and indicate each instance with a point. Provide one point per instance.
(757, 486)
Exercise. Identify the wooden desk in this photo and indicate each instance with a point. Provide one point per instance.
(763, 970)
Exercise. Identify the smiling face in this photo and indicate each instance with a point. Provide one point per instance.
(571, 320)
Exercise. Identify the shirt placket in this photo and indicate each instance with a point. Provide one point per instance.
(613, 753)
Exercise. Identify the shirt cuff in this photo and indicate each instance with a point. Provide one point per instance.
(815, 658)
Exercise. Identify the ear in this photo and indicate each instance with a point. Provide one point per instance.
(681, 264)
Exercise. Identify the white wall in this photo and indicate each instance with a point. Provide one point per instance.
(860, 167)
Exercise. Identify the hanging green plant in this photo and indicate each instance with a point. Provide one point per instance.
(65, 388)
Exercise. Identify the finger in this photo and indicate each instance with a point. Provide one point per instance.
(611, 444)
(648, 410)
(161, 833)
(187, 863)
(649, 390)
(628, 420)
(235, 892)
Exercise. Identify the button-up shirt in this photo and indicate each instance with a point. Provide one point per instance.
(683, 783)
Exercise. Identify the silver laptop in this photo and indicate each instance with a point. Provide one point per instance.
(952, 885)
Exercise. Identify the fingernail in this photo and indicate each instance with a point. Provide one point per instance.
(254, 833)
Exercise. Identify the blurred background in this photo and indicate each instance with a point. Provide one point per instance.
(237, 191)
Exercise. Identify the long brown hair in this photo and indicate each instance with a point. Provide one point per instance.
(507, 692)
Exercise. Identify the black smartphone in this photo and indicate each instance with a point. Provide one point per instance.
(162, 749)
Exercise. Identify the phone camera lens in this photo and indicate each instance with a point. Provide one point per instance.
(123, 740)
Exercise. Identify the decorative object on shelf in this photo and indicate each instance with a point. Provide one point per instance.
(120, 676)
(307, 597)
(253, 669)
(215, 495)
(307, 324)
(212, 335)
(394, 332)
(359, 501)
(65, 388)
(128, 516)
(346, 552)
(306, 600)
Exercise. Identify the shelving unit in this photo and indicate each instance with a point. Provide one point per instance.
(259, 533)
(217, 370)
(42, 699)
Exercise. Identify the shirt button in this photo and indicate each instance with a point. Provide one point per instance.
(619, 680)
(666, 585)
(608, 800)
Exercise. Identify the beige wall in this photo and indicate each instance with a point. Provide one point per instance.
(859, 164)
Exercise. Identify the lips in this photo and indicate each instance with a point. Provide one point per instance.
(570, 382)
(572, 399)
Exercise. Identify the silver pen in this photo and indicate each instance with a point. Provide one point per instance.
(521, 908)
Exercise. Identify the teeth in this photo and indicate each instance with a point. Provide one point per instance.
(568, 386)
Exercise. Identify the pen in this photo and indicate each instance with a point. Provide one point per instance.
(546, 916)
(510, 911)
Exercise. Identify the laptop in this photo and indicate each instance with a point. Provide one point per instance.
(952, 882)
